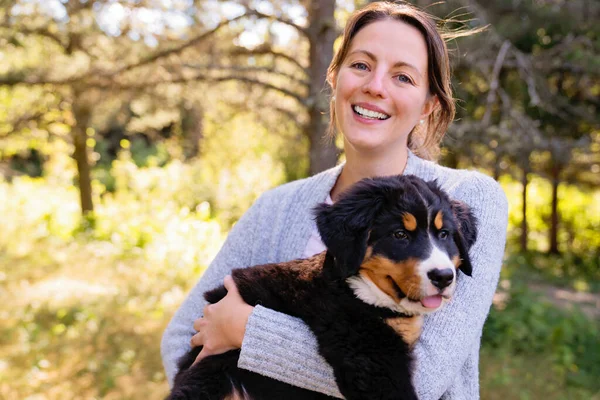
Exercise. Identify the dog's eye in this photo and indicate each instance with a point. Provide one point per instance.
(443, 234)
(400, 235)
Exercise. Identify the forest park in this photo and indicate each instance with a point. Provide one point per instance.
(134, 134)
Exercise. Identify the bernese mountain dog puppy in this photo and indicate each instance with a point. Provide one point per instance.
(394, 246)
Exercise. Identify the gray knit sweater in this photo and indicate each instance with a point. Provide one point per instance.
(277, 227)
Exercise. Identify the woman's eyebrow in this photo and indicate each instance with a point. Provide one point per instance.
(398, 64)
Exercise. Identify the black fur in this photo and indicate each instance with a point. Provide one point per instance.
(370, 360)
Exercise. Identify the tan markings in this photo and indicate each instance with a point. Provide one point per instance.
(410, 222)
(409, 328)
(439, 220)
(235, 395)
(381, 271)
(381, 282)
(304, 269)
(456, 261)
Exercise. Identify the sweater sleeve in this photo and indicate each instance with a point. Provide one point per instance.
(235, 253)
(284, 348)
(452, 334)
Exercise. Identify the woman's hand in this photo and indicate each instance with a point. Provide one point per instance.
(224, 323)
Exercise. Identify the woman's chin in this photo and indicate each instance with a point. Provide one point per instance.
(372, 143)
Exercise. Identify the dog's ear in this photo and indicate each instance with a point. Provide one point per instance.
(466, 234)
(344, 226)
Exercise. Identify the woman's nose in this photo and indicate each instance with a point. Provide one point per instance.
(375, 85)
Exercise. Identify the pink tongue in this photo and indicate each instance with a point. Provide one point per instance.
(431, 301)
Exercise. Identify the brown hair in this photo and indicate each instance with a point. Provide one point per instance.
(424, 139)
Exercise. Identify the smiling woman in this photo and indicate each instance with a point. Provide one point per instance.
(392, 103)
(380, 95)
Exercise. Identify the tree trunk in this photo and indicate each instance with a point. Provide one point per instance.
(554, 215)
(193, 129)
(322, 34)
(497, 169)
(524, 230)
(82, 114)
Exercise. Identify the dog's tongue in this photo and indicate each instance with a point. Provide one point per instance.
(432, 301)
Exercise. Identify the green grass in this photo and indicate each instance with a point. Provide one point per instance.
(580, 272)
(535, 350)
(83, 310)
(504, 376)
(86, 327)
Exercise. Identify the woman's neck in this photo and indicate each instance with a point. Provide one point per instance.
(362, 166)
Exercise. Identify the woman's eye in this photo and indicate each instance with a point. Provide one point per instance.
(400, 235)
(360, 66)
(404, 78)
(443, 234)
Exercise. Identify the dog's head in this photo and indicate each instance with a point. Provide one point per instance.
(399, 242)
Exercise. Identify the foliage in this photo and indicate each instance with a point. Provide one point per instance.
(86, 300)
(528, 85)
(83, 309)
(580, 272)
(101, 66)
(527, 326)
(506, 375)
(240, 163)
(579, 209)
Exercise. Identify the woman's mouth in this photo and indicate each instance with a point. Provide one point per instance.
(369, 114)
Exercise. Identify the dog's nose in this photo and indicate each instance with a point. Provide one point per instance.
(441, 278)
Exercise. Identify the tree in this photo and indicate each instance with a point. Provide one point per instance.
(89, 61)
(92, 61)
(297, 70)
(528, 86)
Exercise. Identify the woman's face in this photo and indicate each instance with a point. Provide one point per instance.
(381, 89)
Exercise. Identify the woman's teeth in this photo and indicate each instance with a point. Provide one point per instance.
(363, 112)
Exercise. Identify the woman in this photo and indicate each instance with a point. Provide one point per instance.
(392, 102)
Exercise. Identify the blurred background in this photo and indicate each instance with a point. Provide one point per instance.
(134, 133)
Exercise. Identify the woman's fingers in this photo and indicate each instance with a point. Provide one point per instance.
(198, 324)
(197, 340)
(206, 311)
(223, 324)
(203, 353)
(229, 284)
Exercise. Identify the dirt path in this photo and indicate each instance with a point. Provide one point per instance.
(566, 299)
(588, 303)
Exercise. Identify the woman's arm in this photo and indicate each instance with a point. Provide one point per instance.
(284, 348)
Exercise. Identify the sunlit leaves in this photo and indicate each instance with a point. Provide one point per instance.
(83, 311)
(578, 234)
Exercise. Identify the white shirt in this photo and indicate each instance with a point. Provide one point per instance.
(315, 244)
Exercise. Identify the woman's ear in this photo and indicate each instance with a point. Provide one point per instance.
(431, 104)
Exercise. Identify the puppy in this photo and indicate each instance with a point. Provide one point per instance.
(394, 246)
